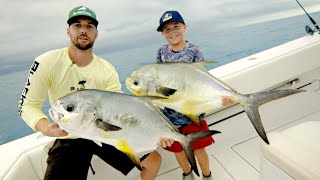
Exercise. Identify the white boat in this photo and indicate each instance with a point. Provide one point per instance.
(292, 124)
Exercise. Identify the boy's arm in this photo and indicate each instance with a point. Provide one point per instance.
(165, 142)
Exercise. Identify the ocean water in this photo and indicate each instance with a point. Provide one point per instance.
(223, 45)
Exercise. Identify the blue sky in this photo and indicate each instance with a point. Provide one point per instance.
(35, 26)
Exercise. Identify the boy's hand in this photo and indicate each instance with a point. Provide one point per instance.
(226, 101)
(165, 142)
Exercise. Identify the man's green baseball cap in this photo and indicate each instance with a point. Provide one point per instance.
(81, 11)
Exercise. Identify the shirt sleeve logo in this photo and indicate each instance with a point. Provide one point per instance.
(23, 96)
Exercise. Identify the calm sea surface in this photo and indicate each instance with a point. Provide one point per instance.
(222, 45)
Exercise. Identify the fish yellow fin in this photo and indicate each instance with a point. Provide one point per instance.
(194, 118)
(188, 110)
(136, 161)
(123, 146)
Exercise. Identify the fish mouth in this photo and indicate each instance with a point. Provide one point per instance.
(128, 83)
(55, 115)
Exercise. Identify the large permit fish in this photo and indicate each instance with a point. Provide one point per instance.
(130, 123)
(191, 90)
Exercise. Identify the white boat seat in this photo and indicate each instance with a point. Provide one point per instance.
(296, 151)
(30, 165)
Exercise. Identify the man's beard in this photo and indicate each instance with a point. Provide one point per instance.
(83, 47)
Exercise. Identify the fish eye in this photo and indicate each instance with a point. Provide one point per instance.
(70, 108)
(136, 83)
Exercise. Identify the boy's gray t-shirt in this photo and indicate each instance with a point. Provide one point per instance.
(191, 53)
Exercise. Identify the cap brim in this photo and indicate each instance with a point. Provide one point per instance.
(159, 29)
(71, 20)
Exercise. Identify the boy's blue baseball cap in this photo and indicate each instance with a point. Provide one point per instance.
(82, 11)
(169, 16)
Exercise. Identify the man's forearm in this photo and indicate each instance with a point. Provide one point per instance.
(42, 125)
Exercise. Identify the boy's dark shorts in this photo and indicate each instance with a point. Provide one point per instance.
(71, 158)
(202, 143)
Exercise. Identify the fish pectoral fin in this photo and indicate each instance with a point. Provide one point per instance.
(124, 147)
(195, 119)
(165, 91)
(106, 126)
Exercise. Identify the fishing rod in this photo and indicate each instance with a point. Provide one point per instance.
(308, 29)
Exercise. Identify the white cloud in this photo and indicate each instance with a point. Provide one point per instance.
(282, 14)
(37, 25)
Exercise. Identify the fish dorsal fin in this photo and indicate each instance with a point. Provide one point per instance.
(203, 63)
(201, 66)
(165, 91)
(166, 62)
(198, 63)
(157, 109)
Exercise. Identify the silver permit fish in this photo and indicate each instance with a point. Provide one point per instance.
(129, 123)
(192, 90)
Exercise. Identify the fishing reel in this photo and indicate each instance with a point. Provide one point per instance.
(309, 30)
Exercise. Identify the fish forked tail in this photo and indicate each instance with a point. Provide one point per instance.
(191, 138)
(253, 101)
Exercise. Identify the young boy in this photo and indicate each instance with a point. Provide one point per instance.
(173, 27)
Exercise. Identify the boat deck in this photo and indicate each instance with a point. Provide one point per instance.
(237, 156)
